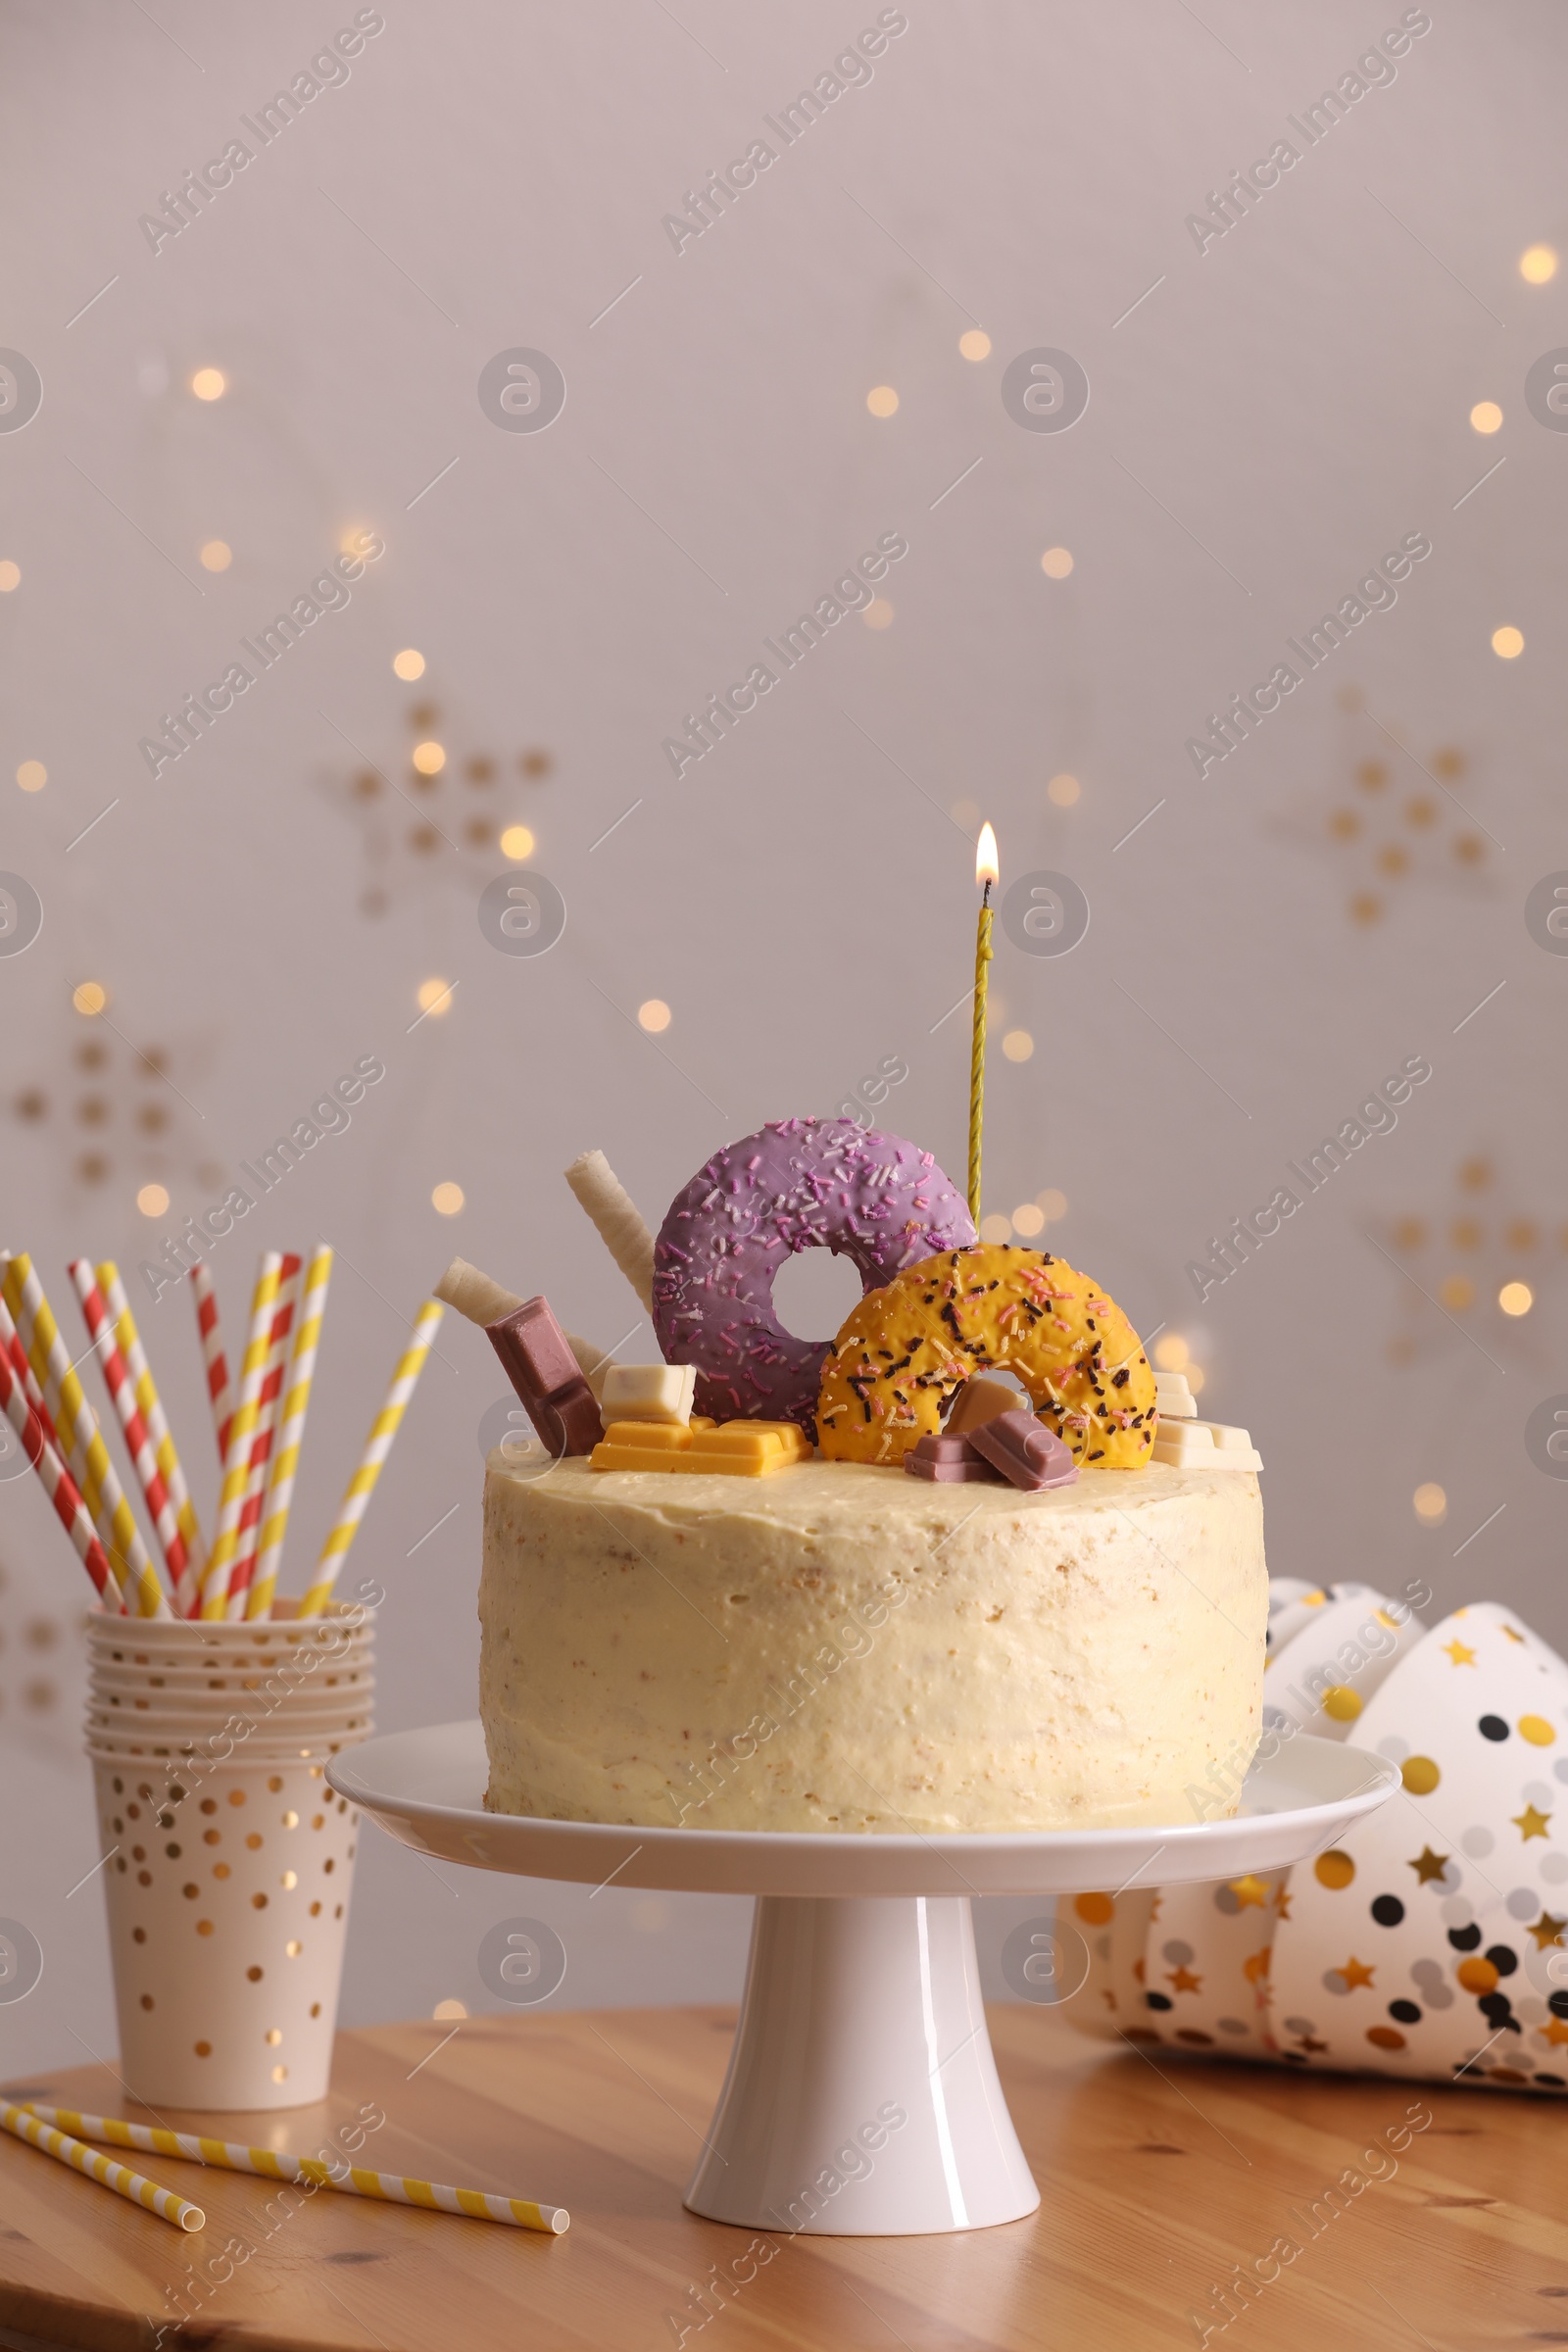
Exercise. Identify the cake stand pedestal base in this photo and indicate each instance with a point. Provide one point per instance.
(861, 2097)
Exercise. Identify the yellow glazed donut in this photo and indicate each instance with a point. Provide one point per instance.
(908, 1347)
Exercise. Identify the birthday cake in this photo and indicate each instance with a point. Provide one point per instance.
(865, 1585)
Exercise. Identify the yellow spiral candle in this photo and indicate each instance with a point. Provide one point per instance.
(985, 874)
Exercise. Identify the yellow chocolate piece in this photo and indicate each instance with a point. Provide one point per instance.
(908, 1347)
(736, 1448)
(641, 1445)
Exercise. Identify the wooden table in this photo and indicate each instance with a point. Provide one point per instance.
(1156, 2181)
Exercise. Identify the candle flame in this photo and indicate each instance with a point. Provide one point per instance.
(986, 868)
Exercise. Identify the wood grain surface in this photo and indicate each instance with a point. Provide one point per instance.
(1157, 2181)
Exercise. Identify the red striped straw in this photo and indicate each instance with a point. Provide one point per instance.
(158, 1429)
(58, 1483)
(219, 1388)
(266, 1412)
(138, 1444)
(11, 1341)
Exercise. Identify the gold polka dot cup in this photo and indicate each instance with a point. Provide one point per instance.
(230, 1861)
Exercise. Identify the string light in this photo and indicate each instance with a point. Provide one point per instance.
(654, 1017)
(1430, 1502)
(447, 1199)
(517, 843)
(152, 1201)
(435, 998)
(975, 344)
(1485, 417)
(882, 400)
(1538, 265)
(90, 997)
(1064, 790)
(217, 554)
(209, 383)
(32, 775)
(1507, 644)
(409, 665)
(1057, 562)
(429, 758)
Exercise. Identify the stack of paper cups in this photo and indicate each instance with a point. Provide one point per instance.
(229, 1860)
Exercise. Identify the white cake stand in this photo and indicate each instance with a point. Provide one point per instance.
(861, 2097)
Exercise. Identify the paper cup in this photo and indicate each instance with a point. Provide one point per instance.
(230, 1862)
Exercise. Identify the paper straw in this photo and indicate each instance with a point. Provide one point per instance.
(138, 1441)
(274, 2165)
(286, 1457)
(377, 1446)
(85, 1448)
(239, 1427)
(12, 1340)
(158, 1429)
(58, 1483)
(23, 2124)
(269, 1407)
(616, 1220)
(220, 1389)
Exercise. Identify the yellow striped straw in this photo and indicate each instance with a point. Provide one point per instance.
(291, 1431)
(25, 2123)
(269, 1411)
(85, 1448)
(350, 2181)
(151, 1407)
(377, 1446)
(237, 1460)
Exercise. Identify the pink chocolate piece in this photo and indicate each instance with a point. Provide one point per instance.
(948, 1458)
(547, 1376)
(1022, 1447)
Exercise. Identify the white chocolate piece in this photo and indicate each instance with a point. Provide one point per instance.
(1174, 1397)
(484, 1301)
(473, 1293)
(1205, 1445)
(616, 1221)
(649, 1392)
(980, 1401)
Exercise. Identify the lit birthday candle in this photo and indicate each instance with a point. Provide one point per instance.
(985, 874)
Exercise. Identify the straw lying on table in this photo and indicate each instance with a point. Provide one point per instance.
(259, 1425)
(519, 2213)
(39, 2130)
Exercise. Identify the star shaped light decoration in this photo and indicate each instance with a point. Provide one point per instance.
(115, 1116)
(1427, 1866)
(427, 815)
(1476, 1268)
(1388, 818)
(1530, 1823)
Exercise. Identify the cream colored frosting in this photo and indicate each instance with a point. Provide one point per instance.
(841, 1647)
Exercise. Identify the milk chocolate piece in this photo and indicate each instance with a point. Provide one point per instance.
(1025, 1451)
(948, 1458)
(542, 1368)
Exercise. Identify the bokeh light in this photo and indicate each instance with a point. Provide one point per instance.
(1485, 417)
(975, 343)
(430, 758)
(878, 613)
(217, 554)
(409, 665)
(1430, 1503)
(209, 383)
(1516, 1298)
(152, 1201)
(1171, 1353)
(517, 842)
(10, 576)
(435, 998)
(1064, 790)
(1538, 265)
(882, 401)
(1057, 562)
(90, 997)
(32, 775)
(1029, 1218)
(996, 1229)
(1017, 1045)
(654, 1015)
(1507, 644)
(447, 1199)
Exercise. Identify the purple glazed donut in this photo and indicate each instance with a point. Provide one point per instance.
(796, 1184)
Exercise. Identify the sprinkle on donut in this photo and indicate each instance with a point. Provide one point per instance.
(907, 1348)
(796, 1184)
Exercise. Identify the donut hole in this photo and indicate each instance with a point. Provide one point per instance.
(1001, 1379)
(815, 1293)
